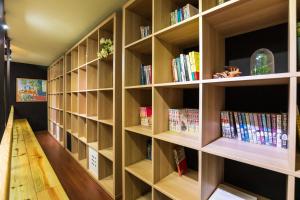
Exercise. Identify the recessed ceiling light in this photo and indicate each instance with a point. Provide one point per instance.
(5, 26)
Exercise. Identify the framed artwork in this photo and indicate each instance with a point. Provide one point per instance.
(31, 90)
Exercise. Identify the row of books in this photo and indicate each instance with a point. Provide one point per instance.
(146, 74)
(184, 120)
(146, 116)
(259, 128)
(186, 67)
(183, 13)
(145, 31)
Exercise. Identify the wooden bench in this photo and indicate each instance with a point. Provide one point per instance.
(25, 172)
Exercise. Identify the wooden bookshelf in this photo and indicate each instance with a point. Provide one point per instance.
(93, 105)
(217, 32)
(56, 100)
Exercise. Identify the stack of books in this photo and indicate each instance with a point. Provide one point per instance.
(259, 128)
(145, 31)
(183, 13)
(186, 67)
(146, 116)
(184, 120)
(146, 74)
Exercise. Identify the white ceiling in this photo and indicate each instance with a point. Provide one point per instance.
(42, 30)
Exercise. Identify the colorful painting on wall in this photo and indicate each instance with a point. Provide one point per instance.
(31, 90)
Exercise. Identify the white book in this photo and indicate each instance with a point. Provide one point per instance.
(189, 66)
(191, 10)
(182, 67)
(224, 192)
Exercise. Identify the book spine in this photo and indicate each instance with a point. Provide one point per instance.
(265, 130)
(241, 126)
(273, 129)
(257, 133)
(150, 68)
(261, 130)
(237, 125)
(179, 69)
(278, 117)
(186, 70)
(252, 125)
(249, 128)
(142, 74)
(269, 130)
(231, 122)
(182, 67)
(284, 136)
(188, 64)
(245, 127)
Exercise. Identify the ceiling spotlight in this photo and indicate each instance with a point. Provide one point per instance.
(5, 26)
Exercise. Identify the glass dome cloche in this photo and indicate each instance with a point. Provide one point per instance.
(262, 62)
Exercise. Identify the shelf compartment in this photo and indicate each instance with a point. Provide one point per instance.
(92, 75)
(74, 102)
(82, 126)
(74, 124)
(163, 8)
(297, 189)
(91, 131)
(82, 154)
(160, 196)
(68, 121)
(82, 103)
(61, 118)
(252, 180)
(74, 58)
(143, 130)
(106, 69)
(134, 99)
(166, 177)
(68, 62)
(107, 153)
(74, 147)
(92, 46)
(137, 162)
(91, 104)
(69, 142)
(135, 56)
(137, 13)
(105, 106)
(106, 179)
(106, 140)
(166, 98)
(222, 50)
(82, 53)
(82, 78)
(68, 82)
(68, 102)
(74, 80)
(166, 49)
(136, 188)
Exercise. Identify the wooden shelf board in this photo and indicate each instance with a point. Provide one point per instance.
(83, 163)
(177, 187)
(107, 153)
(142, 170)
(83, 139)
(106, 89)
(239, 16)
(82, 115)
(269, 79)
(263, 156)
(147, 131)
(183, 139)
(69, 131)
(147, 196)
(107, 184)
(106, 121)
(95, 118)
(94, 145)
(74, 134)
(183, 34)
(185, 84)
(107, 59)
(75, 155)
(91, 90)
(90, 62)
(149, 86)
(141, 45)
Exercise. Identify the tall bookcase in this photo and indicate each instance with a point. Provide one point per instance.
(93, 105)
(56, 100)
(225, 34)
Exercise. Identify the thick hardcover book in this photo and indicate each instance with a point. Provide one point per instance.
(180, 160)
(284, 136)
(274, 129)
(265, 129)
(270, 136)
(278, 117)
(237, 125)
(247, 139)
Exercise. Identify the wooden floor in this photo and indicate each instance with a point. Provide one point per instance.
(81, 186)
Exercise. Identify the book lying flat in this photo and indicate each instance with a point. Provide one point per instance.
(225, 192)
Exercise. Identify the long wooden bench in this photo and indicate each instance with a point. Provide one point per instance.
(25, 170)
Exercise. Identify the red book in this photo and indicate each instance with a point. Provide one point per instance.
(180, 160)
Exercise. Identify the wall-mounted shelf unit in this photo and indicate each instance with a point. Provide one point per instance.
(93, 105)
(56, 100)
(224, 35)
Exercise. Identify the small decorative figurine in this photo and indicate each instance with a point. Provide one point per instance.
(230, 71)
(262, 62)
(106, 48)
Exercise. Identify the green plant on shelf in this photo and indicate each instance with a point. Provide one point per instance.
(106, 48)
